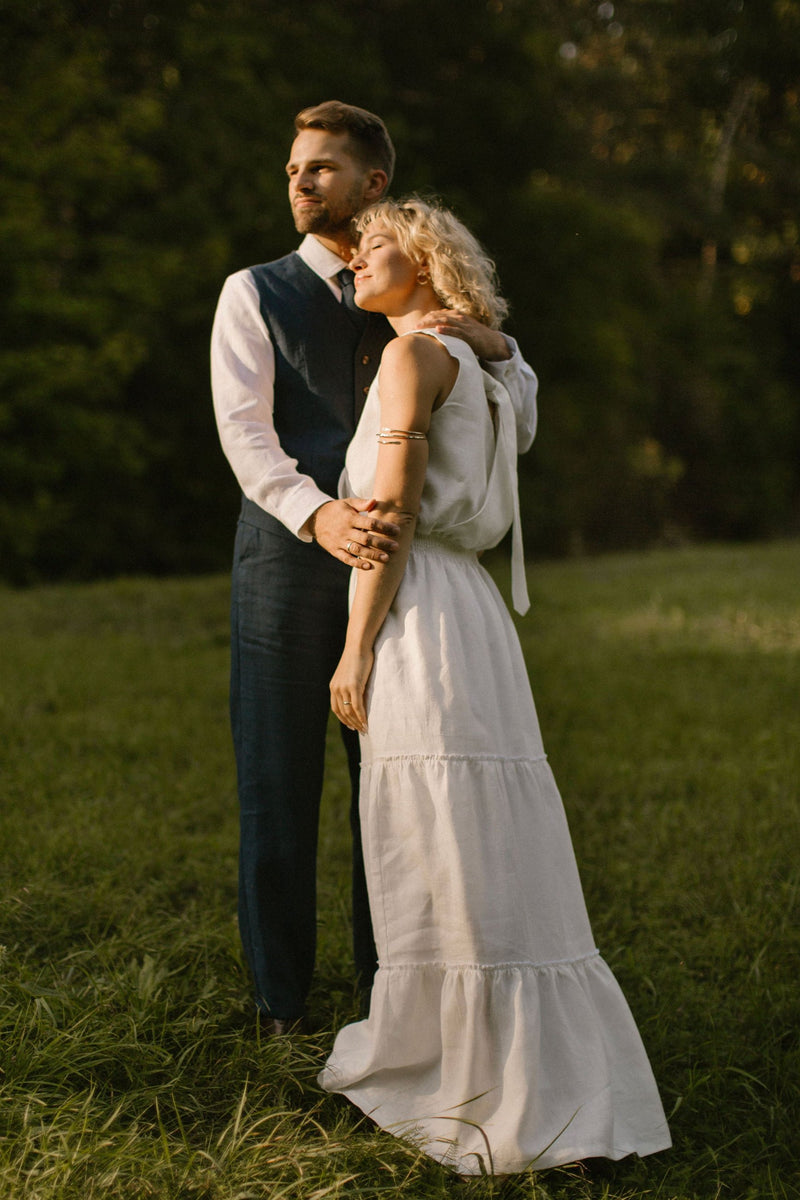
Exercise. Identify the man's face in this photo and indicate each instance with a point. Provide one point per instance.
(328, 185)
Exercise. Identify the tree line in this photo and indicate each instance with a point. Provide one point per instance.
(633, 168)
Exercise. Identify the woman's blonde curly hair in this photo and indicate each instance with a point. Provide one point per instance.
(462, 274)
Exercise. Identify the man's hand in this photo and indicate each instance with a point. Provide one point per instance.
(346, 530)
(488, 344)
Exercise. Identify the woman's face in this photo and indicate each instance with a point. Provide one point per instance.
(386, 278)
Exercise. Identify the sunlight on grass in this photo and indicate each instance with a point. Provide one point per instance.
(731, 629)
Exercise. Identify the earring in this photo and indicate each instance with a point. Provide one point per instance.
(423, 277)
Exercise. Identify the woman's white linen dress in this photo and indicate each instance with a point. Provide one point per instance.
(497, 1037)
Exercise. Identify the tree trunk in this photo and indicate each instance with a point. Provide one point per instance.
(737, 108)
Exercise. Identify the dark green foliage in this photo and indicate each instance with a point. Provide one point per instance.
(633, 168)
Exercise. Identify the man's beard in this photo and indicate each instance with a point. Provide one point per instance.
(319, 218)
(315, 219)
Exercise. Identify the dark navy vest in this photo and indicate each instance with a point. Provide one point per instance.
(326, 356)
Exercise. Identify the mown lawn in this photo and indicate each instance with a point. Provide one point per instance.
(668, 688)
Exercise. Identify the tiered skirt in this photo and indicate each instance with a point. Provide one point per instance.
(497, 1037)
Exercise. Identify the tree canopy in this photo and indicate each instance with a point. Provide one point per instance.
(633, 167)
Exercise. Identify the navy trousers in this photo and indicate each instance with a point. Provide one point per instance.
(288, 622)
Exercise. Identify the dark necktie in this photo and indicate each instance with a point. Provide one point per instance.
(345, 279)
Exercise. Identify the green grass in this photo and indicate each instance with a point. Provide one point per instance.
(668, 688)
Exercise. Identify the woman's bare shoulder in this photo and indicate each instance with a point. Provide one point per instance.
(417, 351)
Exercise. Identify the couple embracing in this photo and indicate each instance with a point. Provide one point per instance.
(494, 1035)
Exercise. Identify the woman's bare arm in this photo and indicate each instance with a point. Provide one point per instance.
(417, 373)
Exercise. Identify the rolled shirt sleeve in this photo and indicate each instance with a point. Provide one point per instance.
(242, 383)
(521, 383)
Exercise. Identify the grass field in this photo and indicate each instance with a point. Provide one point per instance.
(668, 688)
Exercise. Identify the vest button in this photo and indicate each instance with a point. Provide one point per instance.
(365, 360)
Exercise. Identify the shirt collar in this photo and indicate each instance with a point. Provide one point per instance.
(319, 258)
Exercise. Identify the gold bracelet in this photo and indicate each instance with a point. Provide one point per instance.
(393, 437)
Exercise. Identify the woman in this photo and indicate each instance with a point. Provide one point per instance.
(497, 1037)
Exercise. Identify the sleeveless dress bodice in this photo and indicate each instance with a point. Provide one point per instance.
(469, 500)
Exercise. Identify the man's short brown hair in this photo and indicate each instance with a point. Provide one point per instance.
(367, 132)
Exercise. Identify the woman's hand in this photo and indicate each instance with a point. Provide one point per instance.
(348, 687)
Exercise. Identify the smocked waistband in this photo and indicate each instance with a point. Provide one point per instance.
(434, 545)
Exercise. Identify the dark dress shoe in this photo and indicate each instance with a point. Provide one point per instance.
(282, 1026)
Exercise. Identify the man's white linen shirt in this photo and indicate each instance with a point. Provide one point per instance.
(243, 382)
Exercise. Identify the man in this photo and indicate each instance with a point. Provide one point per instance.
(292, 361)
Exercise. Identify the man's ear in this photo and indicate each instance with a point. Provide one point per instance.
(375, 185)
